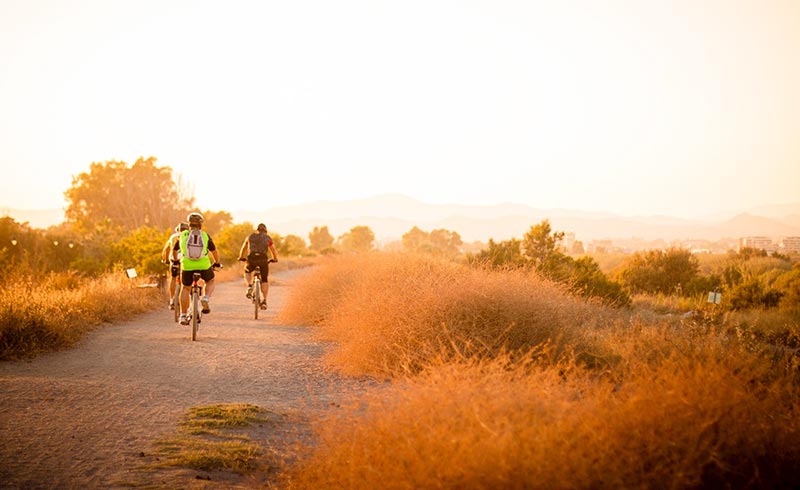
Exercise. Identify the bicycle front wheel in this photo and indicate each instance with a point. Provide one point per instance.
(195, 313)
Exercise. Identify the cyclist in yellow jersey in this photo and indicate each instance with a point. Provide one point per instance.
(175, 268)
(198, 261)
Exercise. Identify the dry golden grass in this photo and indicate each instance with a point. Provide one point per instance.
(393, 313)
(491, 388)
(56, 311)
(678, 412)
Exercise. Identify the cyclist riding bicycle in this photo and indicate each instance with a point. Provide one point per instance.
(166, 253)
(255, 251)
(195, 246)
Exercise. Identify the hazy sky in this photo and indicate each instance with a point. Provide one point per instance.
(636, 107)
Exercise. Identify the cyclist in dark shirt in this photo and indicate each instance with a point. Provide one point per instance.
(255, 251)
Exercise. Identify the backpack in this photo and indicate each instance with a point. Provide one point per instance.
(259, 243)
(195, 244)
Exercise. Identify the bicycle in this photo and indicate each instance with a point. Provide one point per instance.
(256, 288)
(195, 313)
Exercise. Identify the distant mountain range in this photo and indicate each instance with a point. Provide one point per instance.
(390, 216)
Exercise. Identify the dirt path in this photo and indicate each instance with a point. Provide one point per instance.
(81, 418)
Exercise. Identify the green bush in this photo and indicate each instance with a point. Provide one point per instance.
(659, 271)
(751, 293)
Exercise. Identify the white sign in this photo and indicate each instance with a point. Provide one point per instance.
(130, 272)
(714, 298)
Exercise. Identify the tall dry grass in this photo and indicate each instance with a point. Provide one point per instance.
(53, 312)
(393, 313)
(679, 411)
(501, 396)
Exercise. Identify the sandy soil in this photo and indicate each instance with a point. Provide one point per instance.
(84, 418)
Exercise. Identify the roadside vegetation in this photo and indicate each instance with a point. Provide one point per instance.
(58, 283)
(500, 378)
(41, 313)
(511, 365)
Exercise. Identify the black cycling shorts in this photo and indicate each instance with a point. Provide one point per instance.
(174, 270)
(187, 276)
(257, 260)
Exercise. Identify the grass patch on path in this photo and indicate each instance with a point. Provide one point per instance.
(224, 445)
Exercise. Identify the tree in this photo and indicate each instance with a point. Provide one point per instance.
(229, 240)
(446, 242)
(141, 249)
(115, 196)
(215, 221)
(320, 239)
(290, 246)
(438, 242)
(414, 240)
(503, 254)
(658, 271)
(588, 280)
(540, 245)
(358, 239)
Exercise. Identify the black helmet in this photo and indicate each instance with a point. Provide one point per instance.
(194, 218)
(182, 227)
(261, 226)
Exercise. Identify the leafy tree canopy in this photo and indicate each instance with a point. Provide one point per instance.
(117, 196)
(438, 242)
(320, 239)
(358, 239)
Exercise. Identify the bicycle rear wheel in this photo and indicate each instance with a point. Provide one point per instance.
(256, 297)
(195, 313)
(176, 302)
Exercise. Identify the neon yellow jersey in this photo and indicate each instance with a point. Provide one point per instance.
(200, 264)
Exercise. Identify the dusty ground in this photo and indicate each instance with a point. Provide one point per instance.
(88, 417)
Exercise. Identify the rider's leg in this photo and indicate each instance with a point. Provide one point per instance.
(173, 283)
(264, 288)
(209, 288)
(184, 298)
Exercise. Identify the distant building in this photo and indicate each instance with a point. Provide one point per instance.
(789, 244)
(600, 246)
(568, 241)
(757, 242)
(696, 246)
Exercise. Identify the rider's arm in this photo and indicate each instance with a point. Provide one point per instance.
(274, 252)
(245, 248)
(212, 250)
(165, 252)
(175, 250)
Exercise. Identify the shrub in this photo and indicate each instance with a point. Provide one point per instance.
(658, 271)
(389, 313)
(680, 411)
(58, 311)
